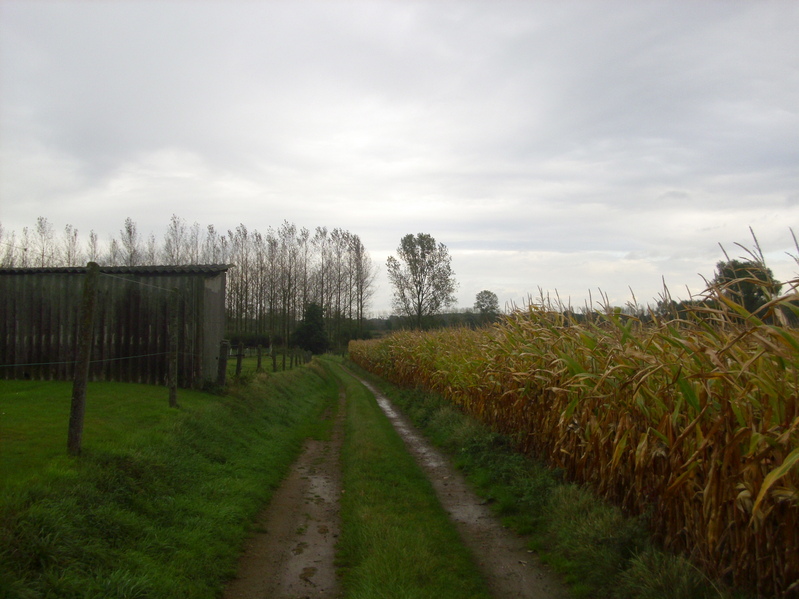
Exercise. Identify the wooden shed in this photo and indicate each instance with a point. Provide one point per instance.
(39, 315)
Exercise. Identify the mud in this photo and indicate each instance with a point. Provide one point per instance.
(510, 569)
(291, 554)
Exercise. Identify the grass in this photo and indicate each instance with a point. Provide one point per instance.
(158, 509)
(249, 364)
(598, 551)
(397, 541)
(34, 416)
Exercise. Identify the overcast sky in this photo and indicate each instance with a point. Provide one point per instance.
(567, 146)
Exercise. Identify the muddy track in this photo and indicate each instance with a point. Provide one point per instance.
(510, 570)
(291, 556)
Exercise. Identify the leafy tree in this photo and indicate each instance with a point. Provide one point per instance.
(422, 277)
(486, 303)
(747, 282)
(310, 334)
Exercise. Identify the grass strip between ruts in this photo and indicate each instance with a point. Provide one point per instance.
(397, 541)
(599, 552)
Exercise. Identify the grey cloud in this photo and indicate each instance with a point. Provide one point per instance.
(651, 130)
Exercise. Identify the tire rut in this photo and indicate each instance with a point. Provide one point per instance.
(291, 554)
(510, 570)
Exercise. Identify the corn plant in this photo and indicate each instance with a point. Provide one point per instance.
(694, 420)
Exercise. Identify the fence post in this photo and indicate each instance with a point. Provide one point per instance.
(85, 335)
(172, 374)
(221, 372)
(239, 357)
(258, 366)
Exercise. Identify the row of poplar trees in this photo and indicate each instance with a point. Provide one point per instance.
(276, 274)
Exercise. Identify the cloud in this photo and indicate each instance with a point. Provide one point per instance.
(566, 145)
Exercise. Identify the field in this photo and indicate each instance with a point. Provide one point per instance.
(692, 421)
(160, 500)
(34, 417)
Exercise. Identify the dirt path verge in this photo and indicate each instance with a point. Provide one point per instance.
(509, 568)
(291, 554)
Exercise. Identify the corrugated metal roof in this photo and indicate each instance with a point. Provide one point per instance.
(198, 269)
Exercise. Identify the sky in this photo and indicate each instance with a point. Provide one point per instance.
(563, 148)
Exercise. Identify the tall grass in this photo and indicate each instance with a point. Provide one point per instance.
(692, 420)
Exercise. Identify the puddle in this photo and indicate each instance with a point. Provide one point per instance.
(509, 568)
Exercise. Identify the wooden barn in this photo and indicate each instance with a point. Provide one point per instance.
(40, 309)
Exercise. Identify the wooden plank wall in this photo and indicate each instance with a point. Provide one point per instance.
(39, 319)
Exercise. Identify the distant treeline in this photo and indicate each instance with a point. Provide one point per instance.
(276, 274)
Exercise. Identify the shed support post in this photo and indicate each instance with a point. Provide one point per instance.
(239, 358)
(221, 373)
(173, 348)
(85, 335)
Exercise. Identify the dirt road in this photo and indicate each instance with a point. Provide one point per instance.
(292, 554)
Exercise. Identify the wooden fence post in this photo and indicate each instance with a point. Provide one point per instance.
(172, 373)
(221, 373)
(239, 357)
(258, 367)
(85, 338)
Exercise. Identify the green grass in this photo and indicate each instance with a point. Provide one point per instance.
(249, 365)
(598, 551)
(158, 509)
(34, 417)
(397, 542)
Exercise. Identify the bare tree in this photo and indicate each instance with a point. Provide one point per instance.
(175, 250)
(70, 249)
(321, 284)
(364, 275)
(288, 261)
(151, 250)
(92, 248)
(214, 247)
(239, 282)
(131, 252)
(114, 256)
(45, 250)
(194, 245)
(24, 257)
(276, 275)
(9, 249)
(271, 282)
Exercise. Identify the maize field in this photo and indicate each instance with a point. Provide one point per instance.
(694, 421)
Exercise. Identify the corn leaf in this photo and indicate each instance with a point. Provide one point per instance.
(775, 475)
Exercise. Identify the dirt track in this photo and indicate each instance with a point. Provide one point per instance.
(292, 554)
